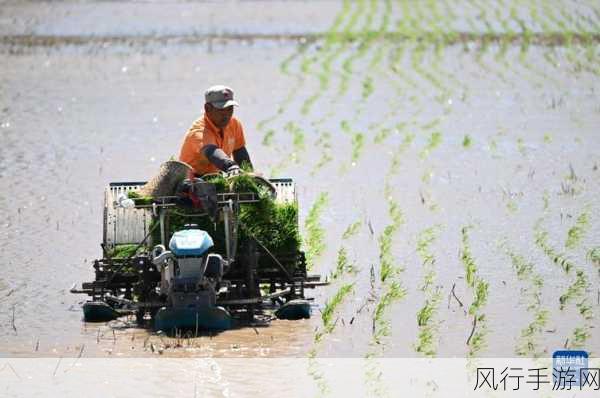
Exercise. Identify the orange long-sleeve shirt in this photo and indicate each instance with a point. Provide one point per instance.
(203, 132)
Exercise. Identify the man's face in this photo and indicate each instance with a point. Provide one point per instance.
(219, 117)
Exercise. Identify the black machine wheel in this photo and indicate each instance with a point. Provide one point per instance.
(139, 316)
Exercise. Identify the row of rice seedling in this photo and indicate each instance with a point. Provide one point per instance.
(382, 49)
(575, 291)
(579, 287)
(528, 343)
(329, 313)
(367, 37)
(426, 317)
(479, 288)
(335, 45)
(389, 271)
(304, 65)
(324, 143)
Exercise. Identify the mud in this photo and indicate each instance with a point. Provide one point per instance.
(77, 113)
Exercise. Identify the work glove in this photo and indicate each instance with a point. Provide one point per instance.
(233, 170)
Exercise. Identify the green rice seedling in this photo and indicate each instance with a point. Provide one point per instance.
(358, 141)
(546, 199)
(528, 345)
(345, 126)
(433, 142)
(577, 231)
(324, 142)
(382, 135)
(425, 238)
(367, 87)
(315, 234)
(352, 230)
(138, 199)
(432, 124)
(522, 267)
(386, 258)
(325, 158)
(521, 146)
(585, 310)
(297, 136)
(594, 255)
(406, 142)
(123, 251)
(580, 336)
(268, 137)
(307, 105)
(547, 138)
(381, 50)
(467, 258)
(306, 64)
(426, 343)
(481, 294)
(394, 292)
(541, 239)
(467, 142)
(327, 315)
(500, 56)
(477, 341)
(343, 265)
(395, 214)
(427, 175)
(262, 124)
(575, 290)
(493, 145)
(511, 205)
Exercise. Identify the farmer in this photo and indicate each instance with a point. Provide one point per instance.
(215, 142)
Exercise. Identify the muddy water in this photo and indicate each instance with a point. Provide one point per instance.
(115, 103)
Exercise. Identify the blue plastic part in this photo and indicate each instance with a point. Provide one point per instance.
(294, 309)
(207, 318)
(190, 242)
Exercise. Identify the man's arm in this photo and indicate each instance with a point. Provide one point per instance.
(218, 157)
(242, 157)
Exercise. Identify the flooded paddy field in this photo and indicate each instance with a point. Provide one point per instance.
(445, 155)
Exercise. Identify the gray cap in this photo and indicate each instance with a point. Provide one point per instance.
(219, 97)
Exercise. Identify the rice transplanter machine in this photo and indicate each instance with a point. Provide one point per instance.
(184, 281)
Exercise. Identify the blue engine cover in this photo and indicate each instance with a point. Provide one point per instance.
(190, 242)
